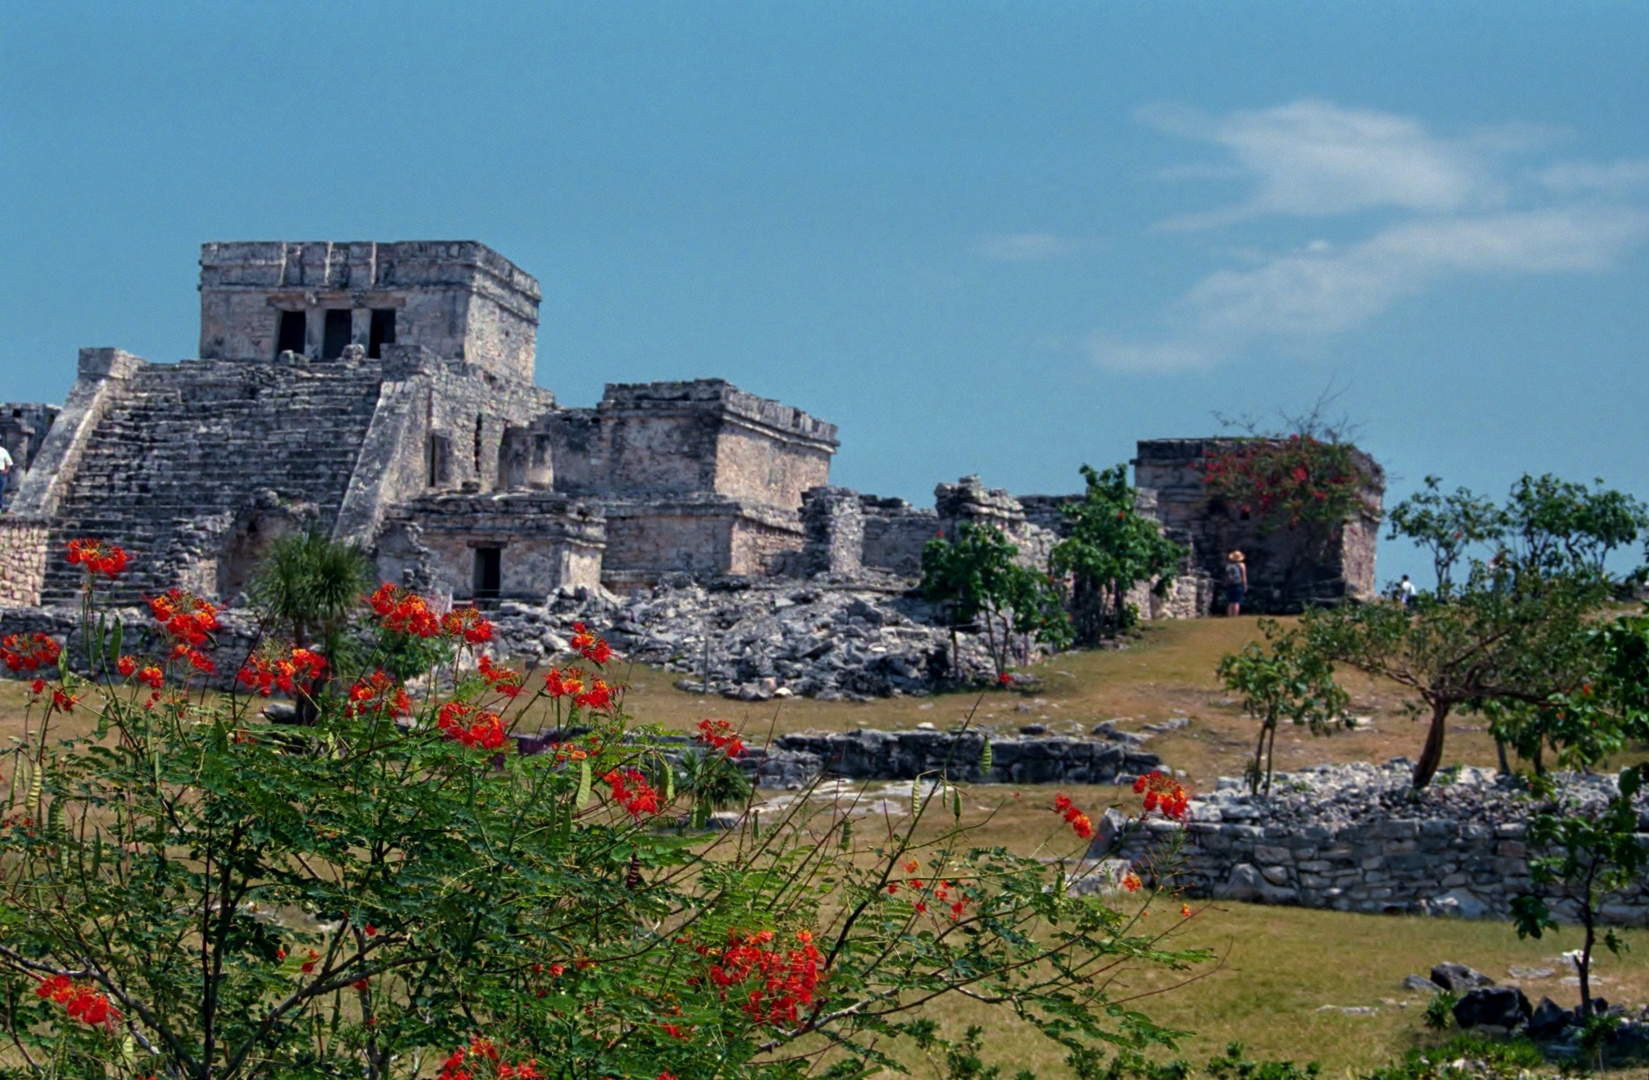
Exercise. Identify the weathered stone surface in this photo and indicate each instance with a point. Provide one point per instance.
(1548, 1020)
(1458, 978)
(1348, 817)
(1501, 1006)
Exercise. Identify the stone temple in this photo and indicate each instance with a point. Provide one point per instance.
(383, 393)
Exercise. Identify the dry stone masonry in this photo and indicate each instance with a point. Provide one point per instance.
(1357, 838)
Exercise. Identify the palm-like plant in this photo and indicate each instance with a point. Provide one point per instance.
(310, 585)
(714, 781)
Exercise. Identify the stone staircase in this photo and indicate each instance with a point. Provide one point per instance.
(186, 451)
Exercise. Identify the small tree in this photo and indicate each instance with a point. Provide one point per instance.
(1560, 527)
(1498, 645)
(1447, 525)
(1284, 679)
(1590, 855)
(978, 582)
(310, 587)
(1111, 548)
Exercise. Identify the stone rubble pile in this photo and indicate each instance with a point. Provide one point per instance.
(1356, 838)
(833, 637)
(1492, 1009)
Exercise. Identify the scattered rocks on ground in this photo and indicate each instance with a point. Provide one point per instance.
(1421, 984)
(831, 638)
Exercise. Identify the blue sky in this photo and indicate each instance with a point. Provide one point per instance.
(1002, 238)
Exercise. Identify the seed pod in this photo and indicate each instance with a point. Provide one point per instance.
(956, 802)
(632, 880)
(847, 834)
(582, 799)
(37, 778)
(986, 759)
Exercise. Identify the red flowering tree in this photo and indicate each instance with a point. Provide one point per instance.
(430, 884)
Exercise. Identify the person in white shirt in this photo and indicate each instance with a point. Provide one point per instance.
(6, 464)
(1406, 591)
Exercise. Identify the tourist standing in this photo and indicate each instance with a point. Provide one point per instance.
(5, 473)
(1236, 582)
(1406, 591)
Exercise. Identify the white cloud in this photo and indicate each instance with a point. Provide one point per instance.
(1457, 213)
(1321, 290)
(1619, 178)
(1312, 158)
(1028, 247)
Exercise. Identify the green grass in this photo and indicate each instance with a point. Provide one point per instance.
(1277, 966)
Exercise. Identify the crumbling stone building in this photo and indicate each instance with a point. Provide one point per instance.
(384, 394)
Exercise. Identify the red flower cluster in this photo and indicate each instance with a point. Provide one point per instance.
(266, 674)
(186, 617)
(1164, 794)
(1299, 476)
(28, 652)
(570, 683)
(466, 623)
(632, 791)
(1131, 881)
(97, 557)
(378, 692)
(480, 1060)
(782, 982)
(589, 646)
(486, 731)
(1077, 820)
(1004, 679)
(720, 735)
(82, 1002)
(404, 611)
(500, 679)
(188, 620)
(941, 891)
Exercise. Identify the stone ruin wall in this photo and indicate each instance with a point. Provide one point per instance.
(1287, 568)
(848, 533)
(1458, 850)
(459, 299)
(23, 556)
(23, 428)
(553, 541)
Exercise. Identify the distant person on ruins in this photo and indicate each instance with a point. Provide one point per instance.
(1236, 582)
(1406, 592)
(5, 474)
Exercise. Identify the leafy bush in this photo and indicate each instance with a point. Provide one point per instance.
(396, 891)
(1110, 548)
(976, 578)
(1439, 1014)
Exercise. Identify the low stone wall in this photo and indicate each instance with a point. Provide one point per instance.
(1354, 838)
(23, 543)
(905, 755)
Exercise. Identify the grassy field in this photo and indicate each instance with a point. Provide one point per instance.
(1285, 976)
(1168, 672)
